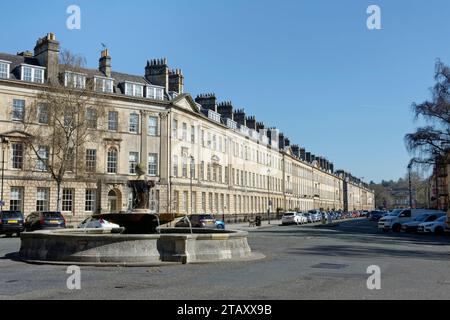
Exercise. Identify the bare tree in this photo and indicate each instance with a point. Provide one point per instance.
(63, 118)
(434, 138)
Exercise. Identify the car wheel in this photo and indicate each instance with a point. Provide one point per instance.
(9, 235)
(220, 226)
(396, 227)
(18, 234)
(439, 230)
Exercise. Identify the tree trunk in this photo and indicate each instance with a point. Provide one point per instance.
(58, 196)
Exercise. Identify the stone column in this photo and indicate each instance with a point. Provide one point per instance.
(164, 163)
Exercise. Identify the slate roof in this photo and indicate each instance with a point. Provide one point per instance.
(119, 78)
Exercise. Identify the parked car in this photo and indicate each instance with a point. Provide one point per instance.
(393, 221)
(197, 221)
(220, 224)
(411, 226)
(11, 222)
(308, 217)
(97, 223)
(437, 226)
(375, 215)
(316, 215)
(45, 220)
(292, 218)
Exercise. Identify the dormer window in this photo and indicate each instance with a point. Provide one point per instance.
(231, 124)
(134, 89)
(4, 69)
(32, 73)
(75, 80)
(156, 93)
(103, 84)
(214, 116)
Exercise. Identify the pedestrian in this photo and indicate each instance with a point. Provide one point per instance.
(329, 220)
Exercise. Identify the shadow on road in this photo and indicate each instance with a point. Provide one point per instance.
(358, 231)
(368, 252)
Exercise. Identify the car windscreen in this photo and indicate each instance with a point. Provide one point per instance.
(52, 215)
(206, 217)
(11, 215)
(422, 217)
(288, 214)
(395, 212)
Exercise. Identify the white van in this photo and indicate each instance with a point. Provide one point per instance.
(393, 221)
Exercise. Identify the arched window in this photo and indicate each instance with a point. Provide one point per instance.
(112, 160)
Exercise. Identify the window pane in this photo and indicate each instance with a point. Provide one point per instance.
(91, 118)
(42, 199)
(27, 74)
(4, 70)
(18, 109)
(134, 123)
(113, 118)
(42, 158)
(133, 160)
(152, 126)
(38, 75)
(152, 164)
(91, 160)
(16, 197)
(43, 114)
(17, 155)
(90, 200)
(112, 161)
(67, 200)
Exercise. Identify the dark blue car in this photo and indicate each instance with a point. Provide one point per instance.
(375, 215)
(11, 222)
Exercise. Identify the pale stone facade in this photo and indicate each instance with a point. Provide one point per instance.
(239, 167)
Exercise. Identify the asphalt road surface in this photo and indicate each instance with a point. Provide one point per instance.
(302, 262)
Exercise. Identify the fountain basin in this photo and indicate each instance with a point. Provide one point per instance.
(95, 247)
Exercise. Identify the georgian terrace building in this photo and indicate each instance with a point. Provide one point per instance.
(202, 156)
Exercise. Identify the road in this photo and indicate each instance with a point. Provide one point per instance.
(302, 262)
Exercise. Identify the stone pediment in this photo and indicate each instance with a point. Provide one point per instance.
(186, 102)
(16, 134)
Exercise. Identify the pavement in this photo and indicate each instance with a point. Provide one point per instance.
(302, 263)
(245, 225)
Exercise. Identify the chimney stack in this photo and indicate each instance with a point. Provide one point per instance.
(105, 63)
(225, 109)
(251, 122)
(308, 157)
(46, 52)
(322, 162)
(176, 81)
(296, 150)
(207, 101)
(259, 126)
(157, 72)
(302, 154)
(239, 117)
(281, 141)
(331, 166)
(273, 135)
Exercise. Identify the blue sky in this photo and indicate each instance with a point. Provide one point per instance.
(310, 68)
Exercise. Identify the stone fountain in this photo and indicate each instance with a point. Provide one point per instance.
(142, 244)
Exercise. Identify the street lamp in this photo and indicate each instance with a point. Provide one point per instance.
(4, 142)
(268, 196)
(191, 177)
(409, 183)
